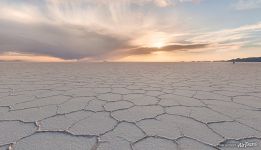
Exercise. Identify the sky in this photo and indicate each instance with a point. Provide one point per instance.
(129, 30)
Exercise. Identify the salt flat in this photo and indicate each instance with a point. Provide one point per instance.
(130, 106)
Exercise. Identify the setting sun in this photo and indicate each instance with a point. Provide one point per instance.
(158, 44)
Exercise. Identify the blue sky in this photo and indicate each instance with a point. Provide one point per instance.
(129, 30)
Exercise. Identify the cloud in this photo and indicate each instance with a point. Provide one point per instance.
(13, 56)
(101, 29)
(247, 4)
(194, 1)
(73, 29)
(24, 12)
(244, 33)
(175, 47)
(58, 41)
(215, 41)
(162, 3)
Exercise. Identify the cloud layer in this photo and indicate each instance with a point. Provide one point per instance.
(109, 29)
(248, 4)
(149, 50)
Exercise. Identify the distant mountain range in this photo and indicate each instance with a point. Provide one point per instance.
(249, 59)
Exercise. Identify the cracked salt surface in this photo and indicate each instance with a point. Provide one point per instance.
(130, 106)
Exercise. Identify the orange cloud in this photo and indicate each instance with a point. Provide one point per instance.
(13, 56)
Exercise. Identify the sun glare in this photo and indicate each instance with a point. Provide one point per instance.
(158, 42)
(152, 40)
(158, 45)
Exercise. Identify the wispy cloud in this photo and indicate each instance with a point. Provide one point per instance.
(24, 12)
(247, 4)
(231, 37)
(87, 29)
(74, 29)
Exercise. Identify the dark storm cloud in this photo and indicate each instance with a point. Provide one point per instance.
(149, 50)
(67, 42)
